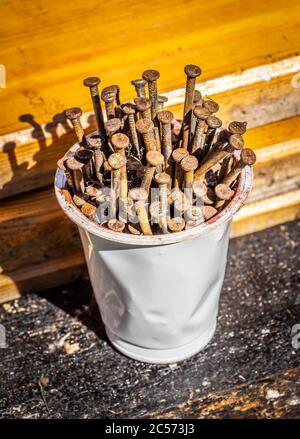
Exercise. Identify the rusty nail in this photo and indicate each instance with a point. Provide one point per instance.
(211, 105)
(112, 126)
(89, 210)
(223, 193)
(235, 142)
(176, 224)
(154, 159)
(192, 72)
(120, 142)
(248, 157)
(165, 117)
(130, 112)
(85, 156)
(116, 89)
(194, 213)
(116, 161)
(73, 114)
(139, 196)
(197, 99)
(180, 201)
(93, 191)
(116, 225)
(139, 85)
(109, 97)
(225, 168)
(143, 105)
(210, 196)
(213, 123)
(75, 167)
(146, 128)
(161, 101)
(95, 143)
(157, 139)
(134, 230)
(163, 180)
(178, 154)
(236, 127)
(199, 189)
(209, 212)
(151, 76)
(69, 176)
(93, 82)
(80, 198)
(201, 115)
(189, 164)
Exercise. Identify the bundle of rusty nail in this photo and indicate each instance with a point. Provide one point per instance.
(143, 172)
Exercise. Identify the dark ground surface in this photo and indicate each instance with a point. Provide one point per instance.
(59, 364)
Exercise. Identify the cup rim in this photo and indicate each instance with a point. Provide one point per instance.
(243, 189)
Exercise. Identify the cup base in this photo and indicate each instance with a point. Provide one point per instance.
(162, 356)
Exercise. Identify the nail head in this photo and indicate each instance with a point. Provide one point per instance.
(189, 163)
(116, 161)
(176, 224)
(91, 81)
(236, 127)
(116, 225)
(248, 156)
(162, 178)
(154, 158)
(179, 153)
(142, 103)
(120, 141)
(165, 116)
(138, 194)
(150, 75)
(236, 141)
(143, 126)
(223, 191)
(73, 113)
(192, 71)
(214, 122)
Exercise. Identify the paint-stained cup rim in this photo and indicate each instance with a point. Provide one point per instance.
(243, 189)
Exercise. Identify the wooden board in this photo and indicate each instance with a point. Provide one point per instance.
(47, 48)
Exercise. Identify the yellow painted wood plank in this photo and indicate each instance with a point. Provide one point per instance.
(48, 47)
(279, 132)
(40, 277)
(258, 103)
(266, 213)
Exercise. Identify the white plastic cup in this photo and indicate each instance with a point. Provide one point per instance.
(158, 295)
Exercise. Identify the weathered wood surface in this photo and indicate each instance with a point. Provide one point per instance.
(48, 48)
(249, 370)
